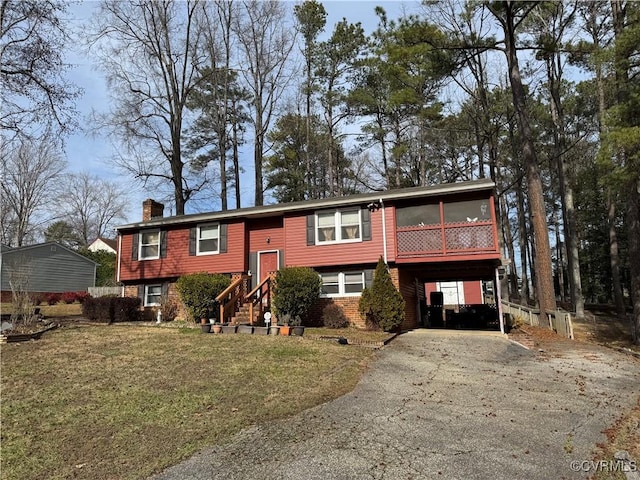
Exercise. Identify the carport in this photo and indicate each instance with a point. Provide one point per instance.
(455, 294)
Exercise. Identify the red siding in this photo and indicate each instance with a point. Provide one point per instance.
(473, 292)
(298, 253)
(263, 229)
(179, 262)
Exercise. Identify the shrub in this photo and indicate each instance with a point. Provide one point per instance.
(295, 290)
(169, 308)
(111, 309)
(52, 298)
(69, 297)
(37, 298)
(333, 316)
(198, 292)
(382, 305)
(81, 296)
(126, 309)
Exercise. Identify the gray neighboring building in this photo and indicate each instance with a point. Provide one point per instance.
(46, 267)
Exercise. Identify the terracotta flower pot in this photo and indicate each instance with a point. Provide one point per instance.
(285, 330)
(216, 328)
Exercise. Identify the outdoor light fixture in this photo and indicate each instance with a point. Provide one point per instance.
(373, 206)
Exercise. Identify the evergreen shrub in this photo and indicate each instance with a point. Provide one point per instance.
(382, 305)
(198, 292)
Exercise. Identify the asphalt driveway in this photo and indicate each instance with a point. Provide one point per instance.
(449, 405)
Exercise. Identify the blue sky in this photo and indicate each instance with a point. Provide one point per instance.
(93, 153)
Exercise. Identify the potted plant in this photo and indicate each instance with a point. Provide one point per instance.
(205, 325)
(296, 326)
(216, 327)
(283, 322)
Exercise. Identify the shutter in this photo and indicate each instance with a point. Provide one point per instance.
(366, 224)
(134, 249)
(165, 289)
(368, 278)
(193, 232)
(253, 268)
(141, 294)
(311, 229)
(280, 259)
(223, 238)
(163, 244)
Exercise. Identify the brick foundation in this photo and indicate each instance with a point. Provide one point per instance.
(349, 306)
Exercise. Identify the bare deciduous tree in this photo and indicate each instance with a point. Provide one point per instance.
(266, 42)
(92, 206)
(150, 51)
(30, 175)
(32, 86)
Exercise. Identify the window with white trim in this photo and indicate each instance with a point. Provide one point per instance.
(342, 284)
(208, 240)
(149, 245)
(152, 295)
(339, 226)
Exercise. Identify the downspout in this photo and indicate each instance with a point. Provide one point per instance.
(384, 231)
(119, 257)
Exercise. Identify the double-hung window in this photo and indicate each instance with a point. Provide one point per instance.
(342, 284)
(208, 241)
(339, 226)
(149, 245)
(152, 295)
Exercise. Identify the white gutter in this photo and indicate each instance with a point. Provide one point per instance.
(384, 231)
(119, 256)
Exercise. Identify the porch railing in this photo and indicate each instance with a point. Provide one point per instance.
(232, 298)
(445, 239)
(559, 320)
(259, 299)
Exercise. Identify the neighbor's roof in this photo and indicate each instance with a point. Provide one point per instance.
(362, 198)
(28, 248)
(111, 242)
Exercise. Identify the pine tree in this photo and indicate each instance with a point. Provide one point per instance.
(382, 305)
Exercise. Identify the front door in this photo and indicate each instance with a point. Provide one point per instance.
(267, 262)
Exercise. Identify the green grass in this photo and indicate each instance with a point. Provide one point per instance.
(106, 402)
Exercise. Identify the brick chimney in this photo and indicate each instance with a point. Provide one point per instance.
(151, 209)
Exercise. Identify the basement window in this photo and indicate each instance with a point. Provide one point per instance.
(342, 284)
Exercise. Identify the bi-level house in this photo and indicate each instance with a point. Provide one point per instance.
(432, 238)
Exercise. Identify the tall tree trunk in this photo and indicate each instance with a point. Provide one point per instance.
(523, 235)
(543, 268)
(236, 160)
(614, 256)
(633, 224)
(566, 193)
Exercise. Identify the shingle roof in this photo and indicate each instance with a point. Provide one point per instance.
(281, 208)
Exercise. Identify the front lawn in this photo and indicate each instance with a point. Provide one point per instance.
(100, 402)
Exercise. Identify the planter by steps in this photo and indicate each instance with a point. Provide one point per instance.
(216, 328)
(260, 330)
(285, 330)
(298, 331)
(274, 330)
(244, 328)
(229, 328)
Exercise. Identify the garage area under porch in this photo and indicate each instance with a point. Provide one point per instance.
(452, 295)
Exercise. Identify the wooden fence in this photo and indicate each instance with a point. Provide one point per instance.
(559, 320)
(102, 291)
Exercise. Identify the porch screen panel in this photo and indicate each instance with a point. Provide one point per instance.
(418, 215)
(467, 211)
